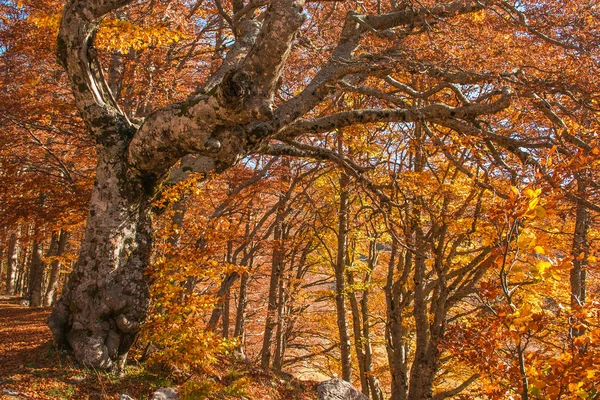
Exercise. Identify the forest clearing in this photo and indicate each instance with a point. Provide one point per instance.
(300, 199)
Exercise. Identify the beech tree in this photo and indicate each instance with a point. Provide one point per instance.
(253, 102)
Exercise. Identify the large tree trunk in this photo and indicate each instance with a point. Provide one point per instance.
(106, 297)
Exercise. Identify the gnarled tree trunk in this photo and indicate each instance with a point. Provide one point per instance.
(106, 296)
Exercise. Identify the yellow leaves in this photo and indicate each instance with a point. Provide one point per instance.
(527, 239)
(540, 212)
(542, 270)
(124, 36)
(539, 250)
(534, 209)
(534, 205)
(576, 389)
(478, 17)
(50, 21)
(590, 373)
(532, 194)
(522, 316)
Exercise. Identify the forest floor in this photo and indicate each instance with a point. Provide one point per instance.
(30, 368)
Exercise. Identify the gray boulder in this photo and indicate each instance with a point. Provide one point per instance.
(165, 394)
(338, 389)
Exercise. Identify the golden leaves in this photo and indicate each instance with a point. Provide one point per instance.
(124, 36)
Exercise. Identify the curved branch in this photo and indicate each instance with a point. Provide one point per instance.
(76, 53)
(434, 112)
(423, 14)
(262, 67)
(457, 390)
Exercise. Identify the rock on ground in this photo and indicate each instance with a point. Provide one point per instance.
(338, 389)
(165, 394)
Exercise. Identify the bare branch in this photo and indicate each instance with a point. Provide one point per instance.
(435, 112)
(457, 390)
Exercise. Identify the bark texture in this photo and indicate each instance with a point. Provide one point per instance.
(106, 296)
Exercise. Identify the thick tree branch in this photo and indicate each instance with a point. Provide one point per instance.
(262, 67)
(423, 14)
(435, 112)
(76, 53)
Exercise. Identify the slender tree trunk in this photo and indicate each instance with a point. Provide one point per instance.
(422, 367)
(340, 280)
(240, 316)
(277, 266)
(12, 262)
(54, 278)
(222, 294)
(580, 252)
(3, 249)
(106, 297)
(226, 313)
(276, 270)
(20, 276)
(396, 331)
(280, 336)
(374, 387)
(428, 333)
(523, 371)
(25, 264)
(36, 274)
(358, 339)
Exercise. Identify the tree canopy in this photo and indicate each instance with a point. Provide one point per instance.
(402, 192)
